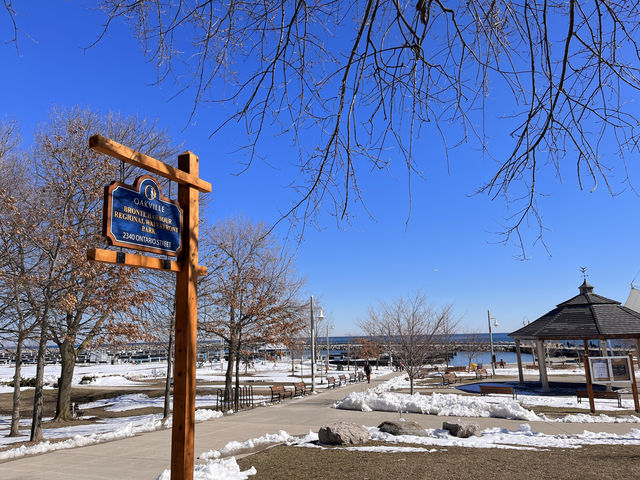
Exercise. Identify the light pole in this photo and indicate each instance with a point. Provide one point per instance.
(313, 345)
(326, 371)
(493, 365)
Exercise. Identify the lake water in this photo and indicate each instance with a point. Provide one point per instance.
(461, 359)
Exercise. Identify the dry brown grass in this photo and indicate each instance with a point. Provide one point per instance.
(590, 462)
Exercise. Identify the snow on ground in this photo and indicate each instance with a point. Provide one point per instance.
(122, 374)
(436, 404)
(532, 398)
(134, 401)
(216, 470)
(268, 439)
(131, 374)
(104, 430)
(383, 398)
(524, 438)
(512, 371)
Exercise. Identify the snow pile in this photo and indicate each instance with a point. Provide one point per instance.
(112, 381)
(106, 430)
(436, 404)
(522, 439)
(268, 439)
(129, 430)
(602, 418)
(216, 470)
(134, 401)
(204, 414)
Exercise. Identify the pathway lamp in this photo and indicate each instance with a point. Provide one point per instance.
(326, 372)
(320, 316)
(493, 356)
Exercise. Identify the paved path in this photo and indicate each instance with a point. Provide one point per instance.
(147, 455)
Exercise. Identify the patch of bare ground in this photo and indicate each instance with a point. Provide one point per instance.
(589, 462)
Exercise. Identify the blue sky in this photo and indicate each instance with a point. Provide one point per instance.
(447, 249)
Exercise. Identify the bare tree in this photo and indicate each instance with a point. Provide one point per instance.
(378, 327)
(369, 349)
(416, 328)
(370, 78)
(18, 255)
(251, 291)
(473, 345)
(93, 301)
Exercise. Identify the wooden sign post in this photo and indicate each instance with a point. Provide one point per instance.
(587, 373)
(187, 268)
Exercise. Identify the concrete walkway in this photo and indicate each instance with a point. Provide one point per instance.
(147, 455)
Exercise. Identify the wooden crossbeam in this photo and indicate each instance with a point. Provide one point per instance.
(114, 149)
(138, 261)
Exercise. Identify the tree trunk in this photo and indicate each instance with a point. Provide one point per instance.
(293, 368)
(15, 412)
(63, 407)
(36, 421)
(228, 378)
(410, 384)
(238, 358)
(167, 382)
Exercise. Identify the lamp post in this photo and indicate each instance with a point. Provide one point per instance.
(493, 364)
(313, 346)
(326, 371)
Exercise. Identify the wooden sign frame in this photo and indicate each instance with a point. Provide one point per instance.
(590, 379)
(187, 271)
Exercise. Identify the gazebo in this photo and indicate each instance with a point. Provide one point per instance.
(587, 316)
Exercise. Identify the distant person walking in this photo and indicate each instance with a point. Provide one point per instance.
(367, 371)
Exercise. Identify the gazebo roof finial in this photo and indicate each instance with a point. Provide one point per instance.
(585, 287)
(583, 271)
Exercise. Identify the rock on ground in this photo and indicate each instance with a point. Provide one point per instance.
(403, 428)
(461, 429)
(343, 433)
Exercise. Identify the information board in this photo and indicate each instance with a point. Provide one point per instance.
(139, 217)
(610, 369)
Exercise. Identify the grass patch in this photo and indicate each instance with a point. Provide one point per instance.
(589, 462)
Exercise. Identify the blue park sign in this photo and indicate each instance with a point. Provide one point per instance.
(139, 217)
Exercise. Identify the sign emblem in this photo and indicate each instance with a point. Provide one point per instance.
(139, 217)
(150, 192)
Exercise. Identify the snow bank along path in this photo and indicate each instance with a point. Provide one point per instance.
(218, 468)
(144, 423)
(381, 398)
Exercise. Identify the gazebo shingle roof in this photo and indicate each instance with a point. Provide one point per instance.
(585, 316)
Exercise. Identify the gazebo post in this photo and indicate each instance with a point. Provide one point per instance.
(519, 355)
(542, 365)
(638, 351)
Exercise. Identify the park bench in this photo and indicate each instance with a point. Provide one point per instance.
(501, 390)
(343, 380)
(449, 378)
(600, 394)
(482, 373)
(352, 378)
(331, 382)
(278, 392)
(299, 389)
